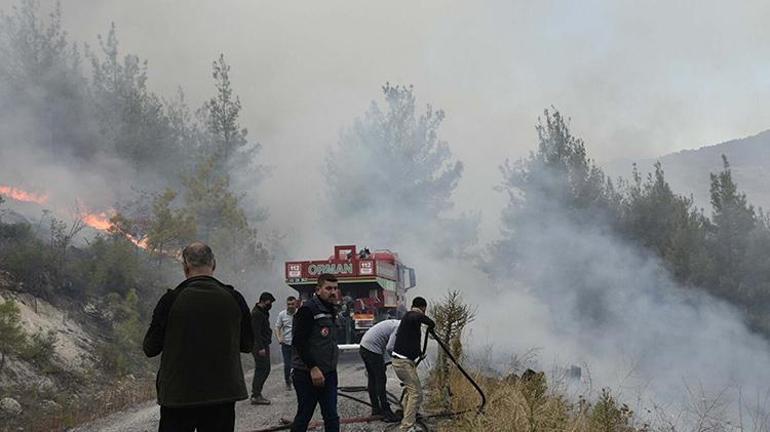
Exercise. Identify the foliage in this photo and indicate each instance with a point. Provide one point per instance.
(122, 351)
(40, 348)
(170, 229)
(389, 162)
(451, 316)
(725, 254)
(12, 336)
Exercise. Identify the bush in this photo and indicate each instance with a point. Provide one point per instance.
(40, 348)
(12, 336)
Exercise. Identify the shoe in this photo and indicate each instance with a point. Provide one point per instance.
(389, 417)
(376, 412)
(259, 400)
(288, 387)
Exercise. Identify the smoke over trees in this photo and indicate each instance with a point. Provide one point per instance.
(391, 177)
(98, 134)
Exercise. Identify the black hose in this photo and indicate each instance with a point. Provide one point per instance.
(460, 368)
(420, 421)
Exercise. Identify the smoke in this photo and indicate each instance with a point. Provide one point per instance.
(579, 295)
(584, 297)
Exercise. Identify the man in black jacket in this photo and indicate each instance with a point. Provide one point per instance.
(406, 351)
(315, 356)
(263, 335)
(200, 327)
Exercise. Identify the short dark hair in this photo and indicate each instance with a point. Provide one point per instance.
(266, 296)
(198, 254)
(419, 302)
(326, 277)
(291, 298)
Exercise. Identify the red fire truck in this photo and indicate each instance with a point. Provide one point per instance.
(373, 286)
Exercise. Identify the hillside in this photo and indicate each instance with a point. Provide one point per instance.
(688, 171)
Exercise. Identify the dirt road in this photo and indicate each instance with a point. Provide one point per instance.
(144, 418)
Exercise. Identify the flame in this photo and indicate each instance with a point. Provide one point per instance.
(99, 221)
(22, 195)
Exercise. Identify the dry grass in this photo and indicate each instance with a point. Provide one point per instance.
(527, 405)
(121, 394)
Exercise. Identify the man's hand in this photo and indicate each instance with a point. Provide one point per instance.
(317, 376)
(262, 353)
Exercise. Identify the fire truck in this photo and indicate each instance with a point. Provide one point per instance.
(373, 286)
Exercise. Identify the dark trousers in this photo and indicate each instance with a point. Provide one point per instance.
(207, 418)
(261, 372)
(286, 352)
(308, 396)
(377, 379)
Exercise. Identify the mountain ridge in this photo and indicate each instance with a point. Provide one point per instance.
(687, 171)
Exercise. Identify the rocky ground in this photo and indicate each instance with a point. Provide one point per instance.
(144, 418)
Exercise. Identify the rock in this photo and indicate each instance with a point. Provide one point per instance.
(46, 385)
(50, 405)
(9, 407)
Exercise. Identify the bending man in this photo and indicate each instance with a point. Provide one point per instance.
(377, 341)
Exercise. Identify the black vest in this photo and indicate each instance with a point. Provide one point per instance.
(322, 342)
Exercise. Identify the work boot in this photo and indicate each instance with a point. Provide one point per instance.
(389, 417)
(259, 400)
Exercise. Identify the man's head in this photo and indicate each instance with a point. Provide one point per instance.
(266, 300)
(327, 289)
(291, 304)
(198, 260)
(420, 303)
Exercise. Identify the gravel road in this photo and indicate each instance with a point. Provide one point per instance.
(145, 417)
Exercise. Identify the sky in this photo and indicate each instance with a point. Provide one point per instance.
(639, 79)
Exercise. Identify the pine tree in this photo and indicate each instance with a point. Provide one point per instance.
(391, 175)
(734, 220)
(12, 335)
(170, 229)
(228, 144)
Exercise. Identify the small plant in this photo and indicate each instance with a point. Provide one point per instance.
(40, 348)
(12, 336)
(451, 316)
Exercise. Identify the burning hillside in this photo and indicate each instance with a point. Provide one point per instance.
(100, 221)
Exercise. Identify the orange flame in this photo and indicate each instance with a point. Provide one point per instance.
(98, 221)
(22, 195)
(101, 222)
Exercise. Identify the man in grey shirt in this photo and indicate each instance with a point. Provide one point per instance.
(283, 333)
(375, 343)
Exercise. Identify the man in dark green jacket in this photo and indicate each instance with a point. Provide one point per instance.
(263, 335)
(199, 328)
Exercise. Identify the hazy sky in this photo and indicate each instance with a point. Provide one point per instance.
(638, 78)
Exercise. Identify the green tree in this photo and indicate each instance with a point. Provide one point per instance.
(12, 336)
(668, 224)
(557, 183)
(132, 120)
(222, 223)
(390, 162)
(222, 112)
(41, 80)
(170, 229)
(734, 221)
